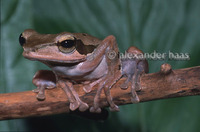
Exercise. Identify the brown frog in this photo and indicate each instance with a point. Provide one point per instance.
(79, 58)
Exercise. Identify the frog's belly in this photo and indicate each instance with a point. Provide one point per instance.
(77, 74)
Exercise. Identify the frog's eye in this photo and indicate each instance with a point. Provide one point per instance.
(67, 46)
(22, 40)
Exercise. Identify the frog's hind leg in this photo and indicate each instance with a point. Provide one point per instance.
(131, 79)
(43, 79)
(141, 70)
(134, 98)
(125, 85)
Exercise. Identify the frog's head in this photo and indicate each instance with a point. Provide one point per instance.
(63, 47)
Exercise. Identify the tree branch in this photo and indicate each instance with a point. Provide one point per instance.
(161, 85)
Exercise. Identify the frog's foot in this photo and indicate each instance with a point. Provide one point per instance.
(105, 83)
(83, 106)
(111, 80)
(113, 106)
(135, 86)
(125, 85)
(78, 104)
(137, 81)
(41, 91)
(74, 105)
(36, 90)
(134, 98)
(41, 97)
(138, 86)
(41, 94)
(96, 108)
(75, 101)
(43, 79)
(87, 88)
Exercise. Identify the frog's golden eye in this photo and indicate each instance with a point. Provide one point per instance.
(67, 46)
(22, 40)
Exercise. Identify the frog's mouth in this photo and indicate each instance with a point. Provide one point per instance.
(53, 56)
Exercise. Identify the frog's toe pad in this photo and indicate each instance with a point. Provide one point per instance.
(83, 107)
(115, 108)
(74, 105)
(124, 86)
(40, 97)
(51, 86)
(95, 110)
(87, 89)
(135, 99)
(36, 90)
(137, 87)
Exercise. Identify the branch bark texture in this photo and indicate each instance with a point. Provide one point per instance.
(177, 83)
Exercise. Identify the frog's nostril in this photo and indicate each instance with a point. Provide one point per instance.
(22, 40)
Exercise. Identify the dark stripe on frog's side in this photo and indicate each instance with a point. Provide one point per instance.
(84, 49)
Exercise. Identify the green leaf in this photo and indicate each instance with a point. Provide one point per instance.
(153, 25)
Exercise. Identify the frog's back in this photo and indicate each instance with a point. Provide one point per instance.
(87, 39)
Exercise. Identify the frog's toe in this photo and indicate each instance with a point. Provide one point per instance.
(74, 105)
(137, 87)
(124, 86)
(92, 109)
(87, 88)
(51, 87)
(95, 110)
(135, 99)
(40, 97)
(36, 90)
(83, 107)
(114, 108)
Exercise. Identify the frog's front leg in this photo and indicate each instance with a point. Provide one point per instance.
(43, 79)
(130, 71)
(89, 85)
(142, 68)
(75, 101)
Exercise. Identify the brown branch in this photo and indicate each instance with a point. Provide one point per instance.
(182, 82)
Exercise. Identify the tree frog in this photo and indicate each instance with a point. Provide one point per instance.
(77, 58)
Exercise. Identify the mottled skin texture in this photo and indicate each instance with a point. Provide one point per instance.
(78, 58)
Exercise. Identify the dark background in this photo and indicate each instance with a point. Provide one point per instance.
(160, 25)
